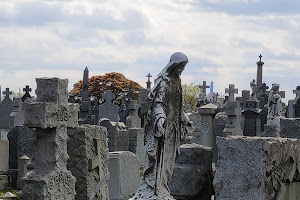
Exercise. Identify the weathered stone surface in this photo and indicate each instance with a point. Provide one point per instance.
(118, 138)
(17, 115)
(124, 172)
(3, 182)
(133, 120)
(108, 109)
(6, 107)
(219, 125)
(21, 142)
(51, 116)
(4, 155)
(192, 176)
(255, 167)
(136, 143)
(290, 127)
(84, 151)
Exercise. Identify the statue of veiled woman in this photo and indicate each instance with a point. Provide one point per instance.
(166, 125)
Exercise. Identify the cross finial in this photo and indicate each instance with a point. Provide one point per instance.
(108, 96)
(7, 93)
(27, 89)
(260, 56)
(231, 91)
(149, 76)
(203, 87)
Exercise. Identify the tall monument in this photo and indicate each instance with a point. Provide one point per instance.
(259, 76)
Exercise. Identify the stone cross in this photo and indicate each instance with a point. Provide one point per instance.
(203, 87)
(109, 96)
(100, 161)
(149, 82)
(7, 93)
(27, 89)
(133, 120)
(231, 91)
(259, 75)
(108, 109)
(260, 56)
(51, 115)
(297, 92)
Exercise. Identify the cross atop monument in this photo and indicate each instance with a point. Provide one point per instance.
(231, 91)
(203, 87)
(7, 93)
(297, 92)
(149, 82)
(260, 56)
(27, 89)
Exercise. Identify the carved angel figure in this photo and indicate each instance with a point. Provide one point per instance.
(253, 87)
(166, 124)
(274, 102)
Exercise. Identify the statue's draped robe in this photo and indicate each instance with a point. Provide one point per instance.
(162, 149)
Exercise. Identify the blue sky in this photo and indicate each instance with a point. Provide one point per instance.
(222, 39)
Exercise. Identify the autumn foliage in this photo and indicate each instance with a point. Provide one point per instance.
(113, 81)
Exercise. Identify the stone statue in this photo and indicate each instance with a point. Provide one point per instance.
(253, 87)
(166, 125)
(274, 102)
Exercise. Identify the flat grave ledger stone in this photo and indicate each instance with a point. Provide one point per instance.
(108, 109)
(88, 162)
(51, 115)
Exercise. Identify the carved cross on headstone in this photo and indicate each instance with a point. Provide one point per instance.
(297, 92)
(100, 160)
(27, 89)
(231, 91)
(149, 82)
(203, 87)
(264, 88)
(7, 93)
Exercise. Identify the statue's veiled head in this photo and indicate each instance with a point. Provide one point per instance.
(177, 62)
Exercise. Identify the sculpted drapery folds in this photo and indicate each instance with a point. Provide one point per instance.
(166, 124)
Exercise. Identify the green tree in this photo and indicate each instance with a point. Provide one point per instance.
(190, 93)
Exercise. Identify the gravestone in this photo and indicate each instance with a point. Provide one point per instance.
(252, 126)
(244, 98)
(256, 167)
(123, 110)
(215, 100)
(192, 175)
(136, 143)
(219, 125)
(4, 155)
(22, 170)
(232, 109)
(85, 107)
(17, 115)
(27, 89)
(294, 105)
(144, 105)
(88, 161)
(148, 82)
(124, 172)
(51, 115)
(118, 136)
(6, 107)
(21, 142)
(133, 120)
(108, 109)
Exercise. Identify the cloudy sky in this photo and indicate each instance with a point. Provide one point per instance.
(222, 39)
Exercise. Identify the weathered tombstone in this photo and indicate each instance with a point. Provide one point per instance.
(148, 82)
(256, 167)
(85, 107)
(108, 109)
(219, 125)
(144, 104)
(294, 105)
(192, 176)
(27, 89)
(215, 100)
(51, 115)
(22, 169)
(21, 142)
(136, 143)
(6, 107)
(4, 155)
(17, 115)
(118, 136)
(123, 110)
(244, 98)
(252, 126)
(88, 161)
(232, 108)
(124, 172)
(133, 120)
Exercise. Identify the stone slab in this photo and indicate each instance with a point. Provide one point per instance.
(290, 127)
(255, 167)
(4, 155)
(192, 175)
(125, 175)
